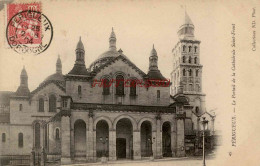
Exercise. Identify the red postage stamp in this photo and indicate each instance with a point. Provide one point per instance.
(26, 30)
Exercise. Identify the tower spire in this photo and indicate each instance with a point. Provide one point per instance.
(153, 60)
(23, 89)
(80, 53)
(58, 65)
(112, 40)
(187, 27)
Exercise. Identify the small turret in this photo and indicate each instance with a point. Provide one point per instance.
(80, 53)
(112, 40)
(58, 66)
(153, 60)
(23, 89)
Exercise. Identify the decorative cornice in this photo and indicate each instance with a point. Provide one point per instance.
(125, 108)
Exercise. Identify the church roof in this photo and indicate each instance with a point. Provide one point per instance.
(155, 75)
(79, 69)
(126, 60)
(22, 91)
(60, 85)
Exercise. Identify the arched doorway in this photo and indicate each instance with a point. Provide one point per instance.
(37, 135)
(124, 139)
(166, 139)
(80, 138)
(102, 139)
(146, 139)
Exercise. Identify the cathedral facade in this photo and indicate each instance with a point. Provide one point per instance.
(106, 109)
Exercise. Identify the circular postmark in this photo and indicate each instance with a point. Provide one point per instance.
(29, 32)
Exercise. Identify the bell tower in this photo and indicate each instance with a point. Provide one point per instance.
(187, 71)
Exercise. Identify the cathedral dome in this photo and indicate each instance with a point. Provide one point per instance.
(55, 77)
(58, 76)
(108, 55)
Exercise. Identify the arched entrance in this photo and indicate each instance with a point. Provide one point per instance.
(102, 138)
(124, 139)
(146, 139)
(80, 138)
(37, 135)
(166, 139)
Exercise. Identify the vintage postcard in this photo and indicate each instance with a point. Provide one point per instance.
(148, 82)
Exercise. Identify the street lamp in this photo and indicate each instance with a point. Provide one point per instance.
(204, 125)
(103, 142)
(150, 142)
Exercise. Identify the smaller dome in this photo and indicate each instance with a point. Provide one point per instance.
(55, 77)
(109, 53)
(80, 45)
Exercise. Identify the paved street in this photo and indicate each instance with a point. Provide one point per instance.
(162, 162)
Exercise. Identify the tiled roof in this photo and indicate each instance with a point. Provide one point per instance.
(79, 69)
(22, 91)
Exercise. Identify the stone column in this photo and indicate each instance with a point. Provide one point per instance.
(180, 137)
(90, 138)
(65, 140)
(72, 143)
(173, 143)
(137, 144)
(158, 137)
(112, 145)
(41, 135)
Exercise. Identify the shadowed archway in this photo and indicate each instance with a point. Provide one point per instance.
(80, 138)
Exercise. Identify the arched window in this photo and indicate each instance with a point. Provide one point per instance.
(37, 135)
(190, 88)
(197, 87)
(189, 59)
(20, 107)
(3, 137)
(106, 86)
(20, 140)
(133, 88)
(57, 134)
(195, 49)
(183, 59)
(197, 73)
(189, 48)
(184, 72)
(197, 110)
(195, 60)
(79, 90)
(41, 105)
(120, 85)
(183, 48)
(190, 72)
(158, 94)
(52, 103)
